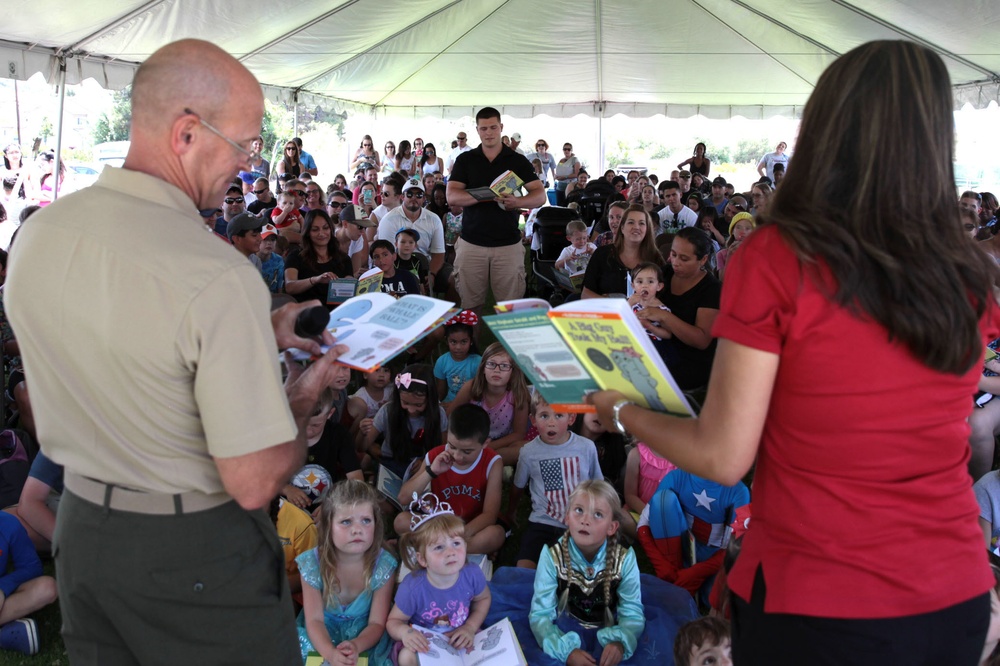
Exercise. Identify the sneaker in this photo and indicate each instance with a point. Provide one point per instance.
(20, 635)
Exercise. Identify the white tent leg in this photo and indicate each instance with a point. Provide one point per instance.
(59, 129)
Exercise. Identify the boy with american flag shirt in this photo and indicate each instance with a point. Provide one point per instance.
(551, 465)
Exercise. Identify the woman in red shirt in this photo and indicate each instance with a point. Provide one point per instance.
(851, 331)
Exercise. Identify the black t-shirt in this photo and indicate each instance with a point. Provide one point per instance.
(340, 265)
(402, 282)
(257, 207)
(606, 274)
(327, 461)
(692, 366)
(485, 223)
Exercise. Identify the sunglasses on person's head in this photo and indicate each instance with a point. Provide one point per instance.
(232, 200)
(410, 194)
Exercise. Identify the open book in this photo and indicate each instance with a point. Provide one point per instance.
(377, 327)
(389, 484)
(344, 288)
(496, 644)
(506, 183)
(570, 281)
(585, 346)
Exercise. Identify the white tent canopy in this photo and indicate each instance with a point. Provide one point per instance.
(445, 58)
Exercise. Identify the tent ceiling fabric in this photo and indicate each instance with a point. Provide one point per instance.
(445, 58)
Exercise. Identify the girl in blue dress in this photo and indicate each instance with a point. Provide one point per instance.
(346, 580)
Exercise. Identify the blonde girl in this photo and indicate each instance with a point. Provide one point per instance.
(443, 593)
(347, 580)
(499, 387)
(587, 604)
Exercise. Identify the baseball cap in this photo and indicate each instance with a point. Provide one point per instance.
(684, 174)
(268, 230)
(243, 222)
(416, 234)
(355, 215)
(247, 177)
(411, 183)
(516, 136)
(719, 180)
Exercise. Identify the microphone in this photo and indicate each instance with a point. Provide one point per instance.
(310, 323)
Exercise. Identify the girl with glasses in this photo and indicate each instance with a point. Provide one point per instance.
(542, 155)
(430, 161)
(366, 153)
(499, 387)
(289, 163)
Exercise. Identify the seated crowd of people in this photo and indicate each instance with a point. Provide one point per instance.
(462, 428)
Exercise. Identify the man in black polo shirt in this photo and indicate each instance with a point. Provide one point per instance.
(489, 252)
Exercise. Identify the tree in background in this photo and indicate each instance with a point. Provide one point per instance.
(113, 125)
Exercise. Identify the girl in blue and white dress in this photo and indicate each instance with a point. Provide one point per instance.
(347, 580)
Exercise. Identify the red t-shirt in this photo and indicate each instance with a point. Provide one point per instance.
(862, 502)
(464, 489)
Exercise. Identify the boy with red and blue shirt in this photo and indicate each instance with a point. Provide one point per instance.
(468, 475)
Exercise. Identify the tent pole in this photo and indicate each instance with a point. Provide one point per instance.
(17, 111)
(600, 136)
(59, 128)
(295, 114)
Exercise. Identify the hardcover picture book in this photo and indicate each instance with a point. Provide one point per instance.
(496, 644)
(586, 346)
(344, 288)
(376, 327)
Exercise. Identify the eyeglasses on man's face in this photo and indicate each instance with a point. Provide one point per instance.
(250, 154)
(233, 200)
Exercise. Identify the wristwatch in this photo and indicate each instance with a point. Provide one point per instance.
(616, 412)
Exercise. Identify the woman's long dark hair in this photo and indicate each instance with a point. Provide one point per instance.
(309, 250)
(870, 193)
(405, 445)
(423, 156)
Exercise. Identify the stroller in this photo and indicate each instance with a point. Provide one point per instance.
(550, 225)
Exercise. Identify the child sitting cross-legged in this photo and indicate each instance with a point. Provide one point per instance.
(587, 602)
(24, 588)
(468, 475)
(444, 595)
(552, 465)
(347, 580)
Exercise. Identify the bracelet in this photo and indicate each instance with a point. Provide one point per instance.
(616, 412)
(430, 472)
